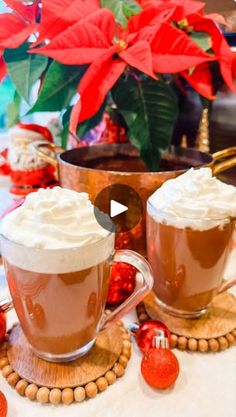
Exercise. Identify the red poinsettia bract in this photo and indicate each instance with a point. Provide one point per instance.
(58, 15)
(16, 28)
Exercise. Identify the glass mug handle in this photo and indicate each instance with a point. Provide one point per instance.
(144, 274)
(226, 285)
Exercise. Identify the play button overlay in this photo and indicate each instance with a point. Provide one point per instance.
(123, 206)
(117, 208)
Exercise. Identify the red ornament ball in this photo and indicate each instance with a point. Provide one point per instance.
(3, 326)
(146, 333)
(3, 405)
(122, 282)
(160, 368)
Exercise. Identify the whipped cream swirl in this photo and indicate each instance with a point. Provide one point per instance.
(55, 218)
(195, 199)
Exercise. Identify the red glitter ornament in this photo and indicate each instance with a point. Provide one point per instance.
(2, 326)
(122, 282)
(160, 367)
(3, 405)
(146, 333)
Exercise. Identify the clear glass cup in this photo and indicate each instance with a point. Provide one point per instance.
(60, 295)
(188, 261)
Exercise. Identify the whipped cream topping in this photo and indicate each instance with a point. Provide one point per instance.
(54, 219)
(195, 199)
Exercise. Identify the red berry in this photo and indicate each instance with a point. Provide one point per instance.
(146, 333)
(160, 368)
(2, 326)
(3, 405)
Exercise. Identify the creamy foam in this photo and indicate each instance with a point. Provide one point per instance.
(195, 199)
(55, 219)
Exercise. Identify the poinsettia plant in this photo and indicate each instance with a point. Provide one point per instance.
(130, 54)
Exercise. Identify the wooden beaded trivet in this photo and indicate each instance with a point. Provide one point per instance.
(215, 331)
(57, 383)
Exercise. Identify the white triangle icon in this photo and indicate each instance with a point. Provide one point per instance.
(117, 208)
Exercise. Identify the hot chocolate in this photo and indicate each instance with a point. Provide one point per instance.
(59, 313)
(57, 265)
(57, 260)
(189, 231)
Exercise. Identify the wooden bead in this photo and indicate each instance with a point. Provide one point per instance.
(110, 377)
(192, 345)
(126, 344)
(43, 395)
(173, 341)
(143, 317)
(4, 362)
(231, 339)
(223, 343)
(213, 345)
(12, 379)
(127, 353)
(118, 369)
(123, 360)
(67, 396)
(126, 336)
(234, 333)
(102, 384)
(55, 396)
(21, 387)
(202, 345)
(79, 394)
(108, 312)
(31, 392)
(182, 343)
(91, 390)
(6, 371)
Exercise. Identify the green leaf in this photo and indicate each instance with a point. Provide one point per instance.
(13, 111)
(59, 87)
(122, 9)
(202, 39)
(24, 69)
(65, 124)
(150, 110)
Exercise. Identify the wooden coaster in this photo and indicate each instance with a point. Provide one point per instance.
(215, 331)
(65, 383)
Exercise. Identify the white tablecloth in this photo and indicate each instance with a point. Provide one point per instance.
(206, 386)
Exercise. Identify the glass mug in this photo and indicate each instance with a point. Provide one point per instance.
(187, 263)
(60, 295)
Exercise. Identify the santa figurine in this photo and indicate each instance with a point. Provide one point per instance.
(28, 171)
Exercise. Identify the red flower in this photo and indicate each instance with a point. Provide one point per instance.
(13, 30)
(219, 46)
(58, 15)
(27, 12)
(201, 80)
(3, 69)
(94, 40)
(187, 6)
(98, 41)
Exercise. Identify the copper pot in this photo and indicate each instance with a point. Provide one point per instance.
(90, 169)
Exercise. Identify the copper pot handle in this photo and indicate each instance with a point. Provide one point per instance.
(226, 158)
(37, 147)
